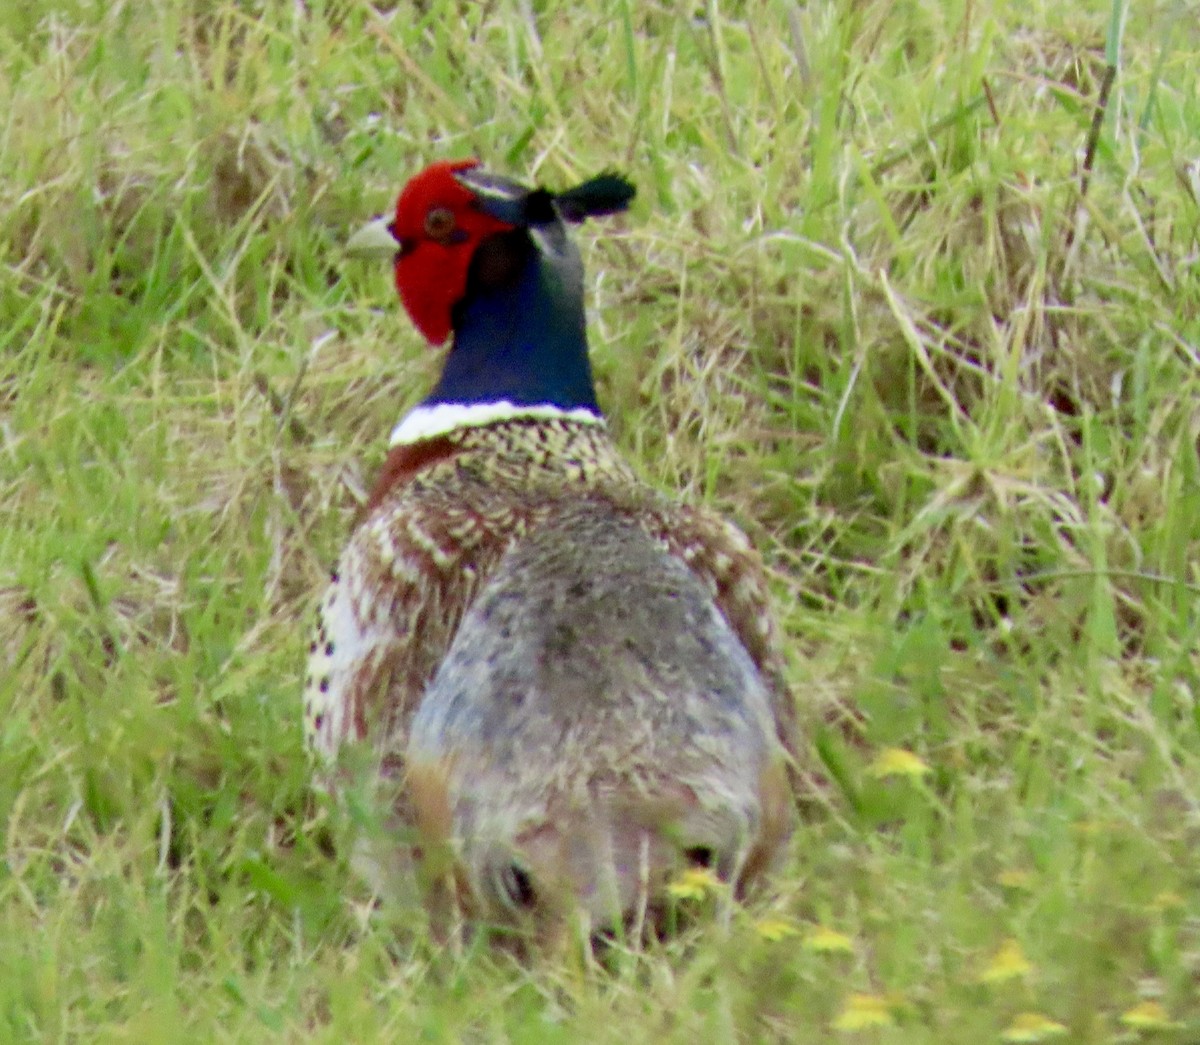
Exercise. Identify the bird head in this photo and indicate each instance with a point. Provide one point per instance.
(432, 237)
(445, 213)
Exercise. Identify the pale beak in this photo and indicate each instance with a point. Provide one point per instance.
(374, 241)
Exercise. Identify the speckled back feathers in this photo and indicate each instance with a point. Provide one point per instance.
(417, 559)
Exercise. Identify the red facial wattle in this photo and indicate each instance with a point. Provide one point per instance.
(431, 274)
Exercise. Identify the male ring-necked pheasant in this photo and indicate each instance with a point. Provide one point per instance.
(570, 683)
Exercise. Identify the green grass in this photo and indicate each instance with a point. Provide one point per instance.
(860, 305)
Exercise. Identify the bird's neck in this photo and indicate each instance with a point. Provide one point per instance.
(520, 344)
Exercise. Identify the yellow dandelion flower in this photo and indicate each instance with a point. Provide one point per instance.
(1167, 901)
(864, 1011)
(824, 940)
(1148, 1015)
(1015, 878)
(694, 884)
(774, 928)
(896, 761)
(1008, 963)
(1032, 1027)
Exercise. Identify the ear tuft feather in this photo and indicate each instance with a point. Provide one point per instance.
(515, 204)
(607, 193)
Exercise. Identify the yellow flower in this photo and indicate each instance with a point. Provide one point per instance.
(895, 761)
(1015, 878)
(824, 940)
(1148, 1015)
(774, 928)
(863, 1011)
(694, 884)
(1031, 1027)
(1167, 901)
(1008, 963)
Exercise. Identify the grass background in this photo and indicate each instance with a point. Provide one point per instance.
(862, 305)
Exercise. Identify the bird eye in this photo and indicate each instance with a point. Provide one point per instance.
(440, 224)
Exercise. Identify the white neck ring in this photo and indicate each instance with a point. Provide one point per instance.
(430, 420)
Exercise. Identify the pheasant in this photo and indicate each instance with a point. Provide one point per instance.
(569, 685)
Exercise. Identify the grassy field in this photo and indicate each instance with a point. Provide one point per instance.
(877, 300)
